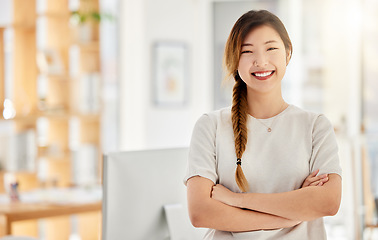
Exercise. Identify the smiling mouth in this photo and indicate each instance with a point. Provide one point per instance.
(263, 75)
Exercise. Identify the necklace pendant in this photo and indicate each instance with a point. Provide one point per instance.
(269, 129)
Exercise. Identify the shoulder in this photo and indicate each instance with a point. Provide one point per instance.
(208, 124)
(302, 113)
(216, 117)
(315, 121)
(310, 117)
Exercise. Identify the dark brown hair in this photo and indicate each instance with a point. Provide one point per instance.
(244, 25)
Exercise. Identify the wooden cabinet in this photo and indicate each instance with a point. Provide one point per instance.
(50, 100)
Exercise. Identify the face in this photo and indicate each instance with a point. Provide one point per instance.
(263, 60)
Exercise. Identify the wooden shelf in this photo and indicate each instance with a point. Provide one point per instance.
(55, 115)
(50, 14)
(62, 155)
(27, 27)
(89, 46)
(60, 77)
(38, 94)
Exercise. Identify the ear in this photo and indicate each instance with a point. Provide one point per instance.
(288, 57)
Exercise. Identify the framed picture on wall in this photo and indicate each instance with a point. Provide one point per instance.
(170, 74)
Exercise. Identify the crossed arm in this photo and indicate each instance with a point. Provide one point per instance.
(205, 211)
(218, 208)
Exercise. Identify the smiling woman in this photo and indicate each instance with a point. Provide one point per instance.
(262, 168)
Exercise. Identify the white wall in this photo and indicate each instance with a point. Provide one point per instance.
(143, 124)
(342, 62)
(132, 55)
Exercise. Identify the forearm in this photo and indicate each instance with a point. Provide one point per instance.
(302, 204)
(209, 213)
(216, 215)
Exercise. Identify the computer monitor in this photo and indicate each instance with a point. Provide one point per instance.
(138, 186)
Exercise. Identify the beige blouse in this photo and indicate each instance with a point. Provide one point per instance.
(277, 161)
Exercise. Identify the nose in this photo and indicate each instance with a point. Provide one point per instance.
(260, 60)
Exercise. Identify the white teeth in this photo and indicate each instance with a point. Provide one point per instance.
(263, 74)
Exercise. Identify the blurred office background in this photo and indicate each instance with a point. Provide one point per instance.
(80, 78)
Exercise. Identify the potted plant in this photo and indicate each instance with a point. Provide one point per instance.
(86, 23)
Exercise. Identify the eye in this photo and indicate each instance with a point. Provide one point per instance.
(247, 51)
(272, 48)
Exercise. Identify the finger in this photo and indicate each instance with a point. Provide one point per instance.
(324, 180)
(313, 174)
(322, 176)
(313, 179)
(309, 181)
(315, 183)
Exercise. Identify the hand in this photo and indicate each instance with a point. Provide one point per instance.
(224, 195)
(313, 180)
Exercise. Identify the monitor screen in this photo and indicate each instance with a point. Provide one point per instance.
(144, 195)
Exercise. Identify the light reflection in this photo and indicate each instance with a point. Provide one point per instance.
(9, 111)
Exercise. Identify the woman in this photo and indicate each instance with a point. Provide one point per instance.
(262, 169)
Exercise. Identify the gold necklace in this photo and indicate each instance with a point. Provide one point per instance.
(269, 128)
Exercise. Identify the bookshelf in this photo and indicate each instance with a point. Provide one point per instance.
(50, 104)
(1, 68)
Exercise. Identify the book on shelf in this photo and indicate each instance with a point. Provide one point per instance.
(8, 63)
(25, 151)
(84, 163)
(74, 60)
(50, 62)
(42, 131)
(89, 97)
(18, 151)
(6, 16)
(74, 133)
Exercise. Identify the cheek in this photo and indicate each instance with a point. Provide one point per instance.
(243, 69)
(244, 64)
(280, 60)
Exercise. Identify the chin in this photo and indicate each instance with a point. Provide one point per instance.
(264, 89)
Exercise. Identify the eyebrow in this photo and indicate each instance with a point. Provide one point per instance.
(250, 44)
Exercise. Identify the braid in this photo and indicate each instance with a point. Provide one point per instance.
(239, 124)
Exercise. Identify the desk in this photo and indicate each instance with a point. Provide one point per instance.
(48, 203)
(13, 212)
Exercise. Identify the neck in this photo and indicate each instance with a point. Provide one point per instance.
(265, 105)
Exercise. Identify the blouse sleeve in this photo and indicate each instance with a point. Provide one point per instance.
(324, 148)
(202, 157)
